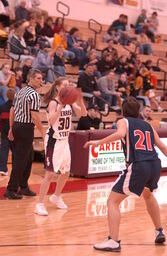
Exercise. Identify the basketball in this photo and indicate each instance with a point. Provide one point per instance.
(68, 95)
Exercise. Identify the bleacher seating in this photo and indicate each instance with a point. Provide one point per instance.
(159, 51)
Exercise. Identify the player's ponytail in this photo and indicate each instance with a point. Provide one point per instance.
(52, 93)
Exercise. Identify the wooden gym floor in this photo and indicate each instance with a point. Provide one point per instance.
(73, 232)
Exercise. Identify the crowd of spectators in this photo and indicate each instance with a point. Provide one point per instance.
(41, 42)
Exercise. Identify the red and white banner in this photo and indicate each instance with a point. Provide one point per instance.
(106, 158)
(109, 157)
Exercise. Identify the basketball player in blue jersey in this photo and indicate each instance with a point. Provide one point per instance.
(141, 175)
(57, 151)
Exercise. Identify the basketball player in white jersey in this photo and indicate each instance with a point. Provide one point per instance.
(57, 151)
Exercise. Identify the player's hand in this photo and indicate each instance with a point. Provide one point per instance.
(91, 142)
(10, 135)
(80, 97)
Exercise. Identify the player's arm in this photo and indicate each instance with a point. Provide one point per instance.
(159, 143)
(37, 121)
(79, 106)
(54, 111)
(11, 121)
(119, 134)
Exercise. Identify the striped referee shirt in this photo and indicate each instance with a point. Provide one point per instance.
(25, 101)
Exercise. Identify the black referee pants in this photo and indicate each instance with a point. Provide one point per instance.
(23, 155)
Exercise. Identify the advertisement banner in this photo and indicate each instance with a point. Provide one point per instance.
(126, 3)
(161, 155)
(159, 6)
(106, 158)
(109, 157)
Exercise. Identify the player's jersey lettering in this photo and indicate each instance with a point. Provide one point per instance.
(62, 125)
(144, 140)
(138, 145)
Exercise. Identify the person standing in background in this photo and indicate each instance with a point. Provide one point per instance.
(5, 143)
(23, 116)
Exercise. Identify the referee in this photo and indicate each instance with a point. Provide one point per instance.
(23, 116)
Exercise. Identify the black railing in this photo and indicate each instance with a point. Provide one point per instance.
(97, 30)
(164, 71)
(64, 9)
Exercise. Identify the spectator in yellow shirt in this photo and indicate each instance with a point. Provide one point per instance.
(60, 40)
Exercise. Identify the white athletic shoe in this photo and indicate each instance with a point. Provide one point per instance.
(108, 245)
(58, 201)
(41, 210)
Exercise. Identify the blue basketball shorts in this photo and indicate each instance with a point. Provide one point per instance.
(137, 176)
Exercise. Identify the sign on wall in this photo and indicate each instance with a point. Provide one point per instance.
(126, 3)
(109, 157)
(161, 155)
(106, 158)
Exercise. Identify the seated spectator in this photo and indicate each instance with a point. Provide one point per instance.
(91, 121)
(58, 25)
(105, 64)
(73, 44)
(33, 19)
(87, 82)
(143, 43)
(4, 7)
(111, 50)
(28, 4)
(152, 26)
(21, 12)
(39, 25)
(91, 57)
(30, 36)
(124, 34)
(5, 78)
(4, 23)
(121, 65)
(26, 68)
(44, 62)
(60, 40)
(18, 78)
(123, 86)
(47, 30)
(5, 143)
(131, 67)
(18, 46)
(141, 20)
(42, 41)
(106, 85)
(145, 113)
(112, 35)
(147, 82)
(31, 5)
(90, 44)
(59, 62)
(118, 24)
